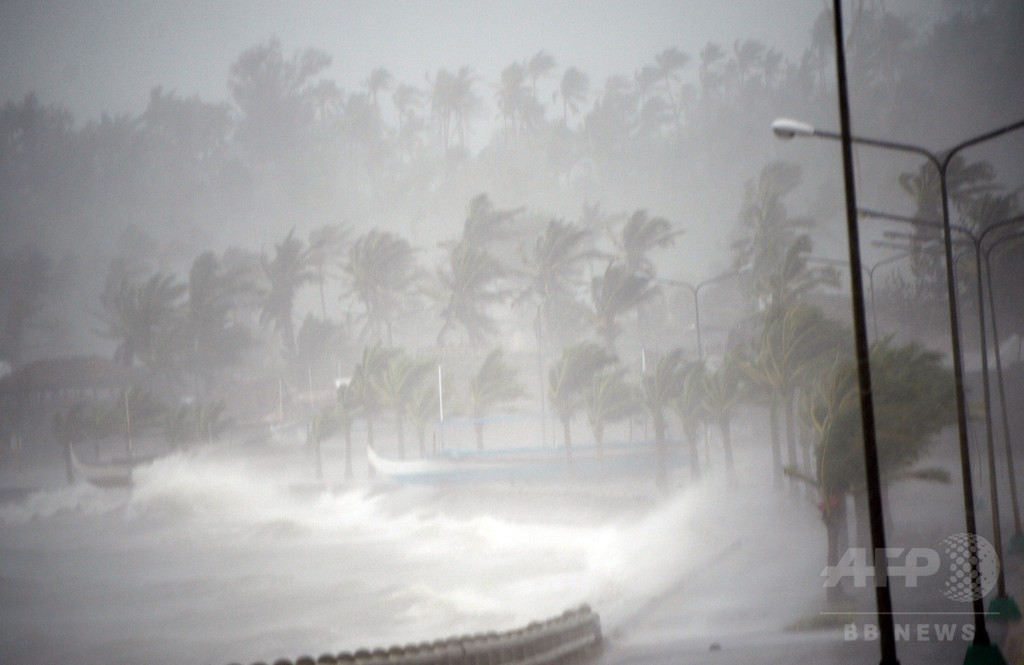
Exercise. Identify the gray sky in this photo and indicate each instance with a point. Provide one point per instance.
(105, 55)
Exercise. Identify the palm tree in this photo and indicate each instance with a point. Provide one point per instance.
(722, 393)
(322, 425)
(748, 53)
(660, 388)
(365, 387)
(453, 100)
(486, 224)
(569, 377)
(399, 381)
(768, 232)
(380, 79)
(914, 401)
(554, 271)
(640, 235)
(380, 272)
(513, 99)
(346, 408)
(575, 87)
(406, 98)
(423, 407)
(688, 406)
(325, 243)
(608, 399)
(493, 384)
(617, 292)
(215, 338)
(135, 314)
(472, 282)
(710, 74)
(539, 65)
(75, 425)
(667, 64)
(792, 277)
(793, 343)
(285, 274)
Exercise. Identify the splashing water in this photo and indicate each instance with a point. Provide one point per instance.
(211, 558)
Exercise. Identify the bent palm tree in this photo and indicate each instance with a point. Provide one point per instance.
(660, 388)
(574, 88)
(494, 383)
(608, 399)
(380, 271)
(399, 381)
(365, 386)
(617, 292)
(567, 380)
(722, 393)
(688, 405)
(285, 274)
(135, 314)
(914, 401)
(472, 282)
(640, 235)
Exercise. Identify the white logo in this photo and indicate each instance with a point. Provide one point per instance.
(971, 561)
(973, 567)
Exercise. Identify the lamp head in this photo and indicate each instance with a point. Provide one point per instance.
(787, 128)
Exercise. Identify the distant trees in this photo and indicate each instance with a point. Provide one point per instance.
(285, 272)
(493, 384)
(380, 273)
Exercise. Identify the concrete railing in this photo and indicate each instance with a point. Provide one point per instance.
(572, 637)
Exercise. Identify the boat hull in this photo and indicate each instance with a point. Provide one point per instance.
(113, 474)
(526, 464)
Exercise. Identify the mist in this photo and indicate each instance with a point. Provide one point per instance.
(422, 319)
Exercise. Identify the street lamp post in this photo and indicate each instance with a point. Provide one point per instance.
(872, 476)
(1017, 541)
(1002, 606)
(695, 290)
(982, 650)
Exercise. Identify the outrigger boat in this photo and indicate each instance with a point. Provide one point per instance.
(108, 474)
(536, 464)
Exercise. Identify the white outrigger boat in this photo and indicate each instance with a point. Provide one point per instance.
(108, 474)
(527, 464)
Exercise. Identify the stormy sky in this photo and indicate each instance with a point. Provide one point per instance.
(105, 55)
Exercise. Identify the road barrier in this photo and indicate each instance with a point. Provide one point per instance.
(572, 637)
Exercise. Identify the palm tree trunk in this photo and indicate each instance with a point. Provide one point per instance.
(400, 428)
(67, 463)
(773, 426)
(693, 439)
(730, 465)
(567, 438)
(791, 453)
(369, 444)
(348, 454)
(835, 526)
(319, 458)
(861, 518)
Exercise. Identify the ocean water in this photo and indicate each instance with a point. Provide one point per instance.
(214, 556)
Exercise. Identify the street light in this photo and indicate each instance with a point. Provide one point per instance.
(982, 650)
(1017, 541)
(695, 290)
(1002, 606)
(872, 476)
